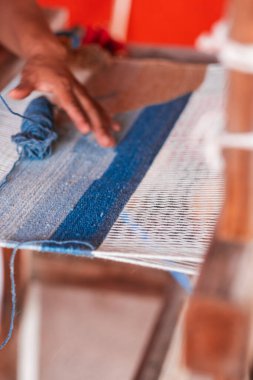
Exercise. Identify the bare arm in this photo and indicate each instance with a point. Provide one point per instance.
(24, 31)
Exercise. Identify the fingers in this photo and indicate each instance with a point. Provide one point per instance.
(71, 105)
(101, 123)
(21, 91)
(55, 79)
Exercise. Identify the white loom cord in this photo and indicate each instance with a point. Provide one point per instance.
(213, 42)
(232, 54)
(237, 56)
(242, 140)
(215, 140)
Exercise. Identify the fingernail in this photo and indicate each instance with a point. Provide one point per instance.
(107, 141)
(116, 126)
(85, 128)
(11, 93)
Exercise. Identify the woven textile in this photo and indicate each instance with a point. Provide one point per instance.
(152, 200)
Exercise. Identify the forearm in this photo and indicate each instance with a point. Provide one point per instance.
(25, 32)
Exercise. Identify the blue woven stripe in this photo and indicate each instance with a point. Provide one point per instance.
(99, 207)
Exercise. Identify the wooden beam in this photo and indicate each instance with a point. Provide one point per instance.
(218, 319)
(161, 340)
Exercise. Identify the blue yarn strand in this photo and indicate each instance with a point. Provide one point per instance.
(13, 298)
(12, 277)
(10, 109)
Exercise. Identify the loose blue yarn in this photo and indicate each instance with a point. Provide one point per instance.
(12, 277)
(13, 298)
(37, 136)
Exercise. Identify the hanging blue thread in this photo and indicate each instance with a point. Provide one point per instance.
(37, 136)
(9, 108)
(12, 276)
(13, 298)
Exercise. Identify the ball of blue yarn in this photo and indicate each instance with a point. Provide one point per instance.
(37, 136)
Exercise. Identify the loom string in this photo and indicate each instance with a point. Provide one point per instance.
(12, 276)
(13, 298)
(13, 112)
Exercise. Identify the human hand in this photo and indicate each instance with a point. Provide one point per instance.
(51, 76)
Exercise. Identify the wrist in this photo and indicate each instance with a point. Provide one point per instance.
(49, 48)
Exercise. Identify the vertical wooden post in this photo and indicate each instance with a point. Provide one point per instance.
(217, 323)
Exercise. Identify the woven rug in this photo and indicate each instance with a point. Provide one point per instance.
(152, 200)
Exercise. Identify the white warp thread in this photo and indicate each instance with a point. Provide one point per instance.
(215, 140)
(237, 56)
(227, 140)
(242, 140)
(213, 42)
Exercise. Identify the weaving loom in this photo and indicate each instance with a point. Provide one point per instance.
(174, 193)
(153, 200)
(177, 187)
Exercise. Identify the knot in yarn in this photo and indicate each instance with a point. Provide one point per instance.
(37, 135)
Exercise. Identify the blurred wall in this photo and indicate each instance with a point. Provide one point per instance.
(157, 21)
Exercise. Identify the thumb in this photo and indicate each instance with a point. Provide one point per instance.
(21, 91)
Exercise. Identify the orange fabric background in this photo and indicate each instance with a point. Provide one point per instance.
(85, 12)
(156, 21)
